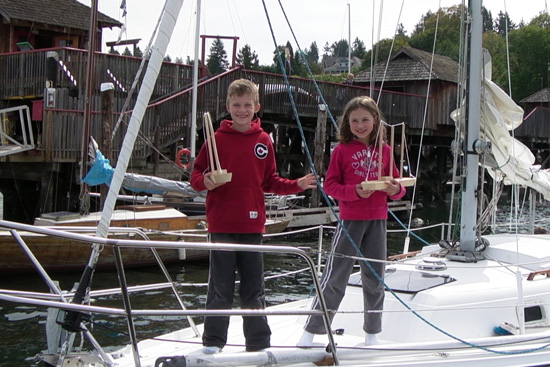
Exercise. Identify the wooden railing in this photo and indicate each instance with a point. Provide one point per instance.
(167, 120)
(25, 74)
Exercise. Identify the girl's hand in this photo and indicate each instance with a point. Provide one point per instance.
(209, 184)
(393, 187)
(362, 193)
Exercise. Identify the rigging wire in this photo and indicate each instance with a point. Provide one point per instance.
(424, 119)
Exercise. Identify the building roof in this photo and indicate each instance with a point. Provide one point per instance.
(338, 64)
(412, 64)
(62, 13)
(541, 96)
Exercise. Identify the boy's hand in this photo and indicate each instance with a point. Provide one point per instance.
(307, 182)
(209, 184)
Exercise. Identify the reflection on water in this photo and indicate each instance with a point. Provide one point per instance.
(22, 327)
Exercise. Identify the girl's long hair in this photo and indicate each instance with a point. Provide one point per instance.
(345, 135)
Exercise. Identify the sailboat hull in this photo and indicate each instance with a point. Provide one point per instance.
(452, 316)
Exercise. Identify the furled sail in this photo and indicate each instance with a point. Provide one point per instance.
(509, 160)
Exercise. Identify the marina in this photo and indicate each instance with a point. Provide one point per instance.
(464, 281)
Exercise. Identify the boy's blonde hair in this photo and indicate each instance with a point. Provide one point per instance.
(345, 135)
(240, 87)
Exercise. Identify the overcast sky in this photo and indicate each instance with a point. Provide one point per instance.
(310, 20)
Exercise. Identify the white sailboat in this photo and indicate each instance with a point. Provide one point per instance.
(483, 301)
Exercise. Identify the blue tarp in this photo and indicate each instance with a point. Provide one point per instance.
(101, 171)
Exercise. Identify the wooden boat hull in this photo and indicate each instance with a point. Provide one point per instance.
(66, 255)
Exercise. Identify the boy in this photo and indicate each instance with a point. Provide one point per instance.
(235, 212)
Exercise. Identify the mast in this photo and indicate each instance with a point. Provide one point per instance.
(468, 225)
(192, 139)
(349, 39)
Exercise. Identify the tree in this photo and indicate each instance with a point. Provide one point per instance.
(138, 52)
(401, 30)
(529, 60)
(127, 52)
(487, 19)
(312, 57)
(340, 48)
(248, 58)
(541, 21)
(326, 49)
(448, 32)
(496, 45)
(358, 48)
(217, 60)
(503, 24)
(167, 58)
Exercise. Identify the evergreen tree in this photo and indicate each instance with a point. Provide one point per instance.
(312, 55)
(358, 48)
(138, 52)
(503, 24)
(487, 19)
(340, 48)
(217, 60)
(248, 58)
(401, 30)
(127, 52)
(327, 50)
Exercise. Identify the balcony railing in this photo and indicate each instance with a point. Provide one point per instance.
(27, 75)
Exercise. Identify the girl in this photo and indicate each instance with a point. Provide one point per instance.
(363, 215)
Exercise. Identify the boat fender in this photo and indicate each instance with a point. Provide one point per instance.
(177, 361)
(179, 154)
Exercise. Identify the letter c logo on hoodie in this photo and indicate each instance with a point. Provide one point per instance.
(260, 150)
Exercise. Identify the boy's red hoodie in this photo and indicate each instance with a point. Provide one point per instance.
(238, 206)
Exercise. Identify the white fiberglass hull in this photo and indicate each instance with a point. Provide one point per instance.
(459, 323)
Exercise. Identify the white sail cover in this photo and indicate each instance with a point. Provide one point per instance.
(509, 160)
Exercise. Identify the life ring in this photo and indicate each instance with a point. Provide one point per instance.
(181, 152)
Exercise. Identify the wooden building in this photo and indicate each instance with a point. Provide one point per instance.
(535, 129)
(38, 24)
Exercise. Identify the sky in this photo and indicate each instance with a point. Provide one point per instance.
(319, 21)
